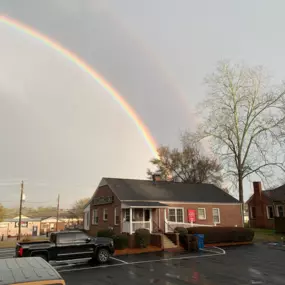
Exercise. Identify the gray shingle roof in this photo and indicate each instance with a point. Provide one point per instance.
(146, 190)
(277, 194)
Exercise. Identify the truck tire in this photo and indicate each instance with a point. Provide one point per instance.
(43, 256)
(102, 255)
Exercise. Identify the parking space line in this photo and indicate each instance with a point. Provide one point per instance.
(119, 260)
(146, 261)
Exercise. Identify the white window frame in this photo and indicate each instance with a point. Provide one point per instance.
(115, 215)
(176, 208)
(251, 216)
(267, 212)
(104, 213)
(93, 217)
(277, 210)
(219, 215)
(205, 214)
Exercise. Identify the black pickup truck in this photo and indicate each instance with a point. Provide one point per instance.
(68, 245)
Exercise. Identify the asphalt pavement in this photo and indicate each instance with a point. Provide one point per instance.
(7, 252)
(255, 264)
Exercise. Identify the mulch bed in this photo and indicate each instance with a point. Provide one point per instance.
(137, 250)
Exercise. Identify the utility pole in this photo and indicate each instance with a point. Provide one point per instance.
(57, 212)
(20, 210)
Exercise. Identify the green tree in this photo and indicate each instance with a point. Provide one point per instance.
(188, 165)
(244, 122)
(78, 207)
(2, 213)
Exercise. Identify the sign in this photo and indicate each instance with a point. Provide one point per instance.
(103, 200)
(23, 224)
(191, 216)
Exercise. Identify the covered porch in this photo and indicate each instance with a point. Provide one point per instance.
(137, 215)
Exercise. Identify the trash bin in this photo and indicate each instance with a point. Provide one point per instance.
(200, 240)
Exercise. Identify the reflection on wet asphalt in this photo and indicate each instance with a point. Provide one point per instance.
(256, 264)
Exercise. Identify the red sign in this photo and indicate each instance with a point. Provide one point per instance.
(191, 216)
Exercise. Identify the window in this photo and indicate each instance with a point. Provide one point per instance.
(270, 213)
(201, 213)
(280, 211)
(81, 237)
(216, 216)
(87, 219)
(105, 214)
(117, 217)
(127, 215)
(95, 217)
(176, 215)
(66, 238)
(253, 212)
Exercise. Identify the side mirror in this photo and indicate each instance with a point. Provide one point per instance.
(88, 239)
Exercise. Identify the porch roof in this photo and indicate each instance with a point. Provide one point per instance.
(143, 204)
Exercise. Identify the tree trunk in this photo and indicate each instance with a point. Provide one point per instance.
(240, 192)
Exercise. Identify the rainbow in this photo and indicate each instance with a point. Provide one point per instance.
(87, 68)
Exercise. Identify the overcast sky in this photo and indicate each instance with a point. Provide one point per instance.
(61, 131)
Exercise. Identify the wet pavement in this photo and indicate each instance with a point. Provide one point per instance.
(254, 264)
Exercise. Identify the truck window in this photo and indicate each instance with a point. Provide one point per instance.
(65, 238)
(53, 238)
(81, 237)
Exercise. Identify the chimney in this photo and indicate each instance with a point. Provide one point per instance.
(257, 188)
(156, 177)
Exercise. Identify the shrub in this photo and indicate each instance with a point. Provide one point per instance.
(223, 234)
(121, 241)
(180, 230)
(106, 233)
(142, 238)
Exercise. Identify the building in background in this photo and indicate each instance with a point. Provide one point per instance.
(265, 205)
(127, 204)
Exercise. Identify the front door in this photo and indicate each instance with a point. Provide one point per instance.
(147, 219)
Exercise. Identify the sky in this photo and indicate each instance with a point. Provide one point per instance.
(61, 132)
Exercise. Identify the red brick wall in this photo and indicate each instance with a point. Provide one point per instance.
(230, 214)
(105, 191)
(261, 221)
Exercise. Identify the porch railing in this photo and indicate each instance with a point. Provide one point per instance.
(140, 225)
(170, 226)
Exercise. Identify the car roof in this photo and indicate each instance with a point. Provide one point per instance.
(68, 232)
(26, 269)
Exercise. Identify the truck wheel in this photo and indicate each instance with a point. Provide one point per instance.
(103, 255)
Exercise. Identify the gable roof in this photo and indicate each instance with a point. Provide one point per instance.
(147, 190)
(277, 194)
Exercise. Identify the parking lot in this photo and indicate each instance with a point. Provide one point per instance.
(255, 264)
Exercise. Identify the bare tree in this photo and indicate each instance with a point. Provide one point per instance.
(244, 122)
(188, 165)
(78, 207)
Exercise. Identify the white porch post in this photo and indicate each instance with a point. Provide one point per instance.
(131, 220)
(165, 221)
(150, 220)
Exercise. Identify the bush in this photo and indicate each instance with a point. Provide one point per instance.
(142, 238)
(121, 241)
(106, 233)
(180, 230)
(223, 234)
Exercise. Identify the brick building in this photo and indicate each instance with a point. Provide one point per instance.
(265, 205)
(127, 204)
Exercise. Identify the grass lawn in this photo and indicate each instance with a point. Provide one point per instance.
(267, 235)
(12, 242)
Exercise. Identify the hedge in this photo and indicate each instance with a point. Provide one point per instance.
(180, 230)
(121, 241)
(142, 238)
(106, 233)
(223, 234)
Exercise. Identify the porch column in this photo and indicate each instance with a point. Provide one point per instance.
(131, 220)
(165, 222)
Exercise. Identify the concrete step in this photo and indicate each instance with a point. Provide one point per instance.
(167, 243)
